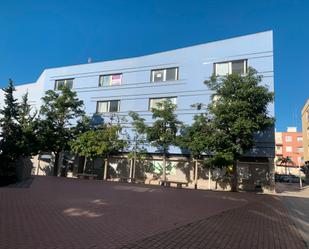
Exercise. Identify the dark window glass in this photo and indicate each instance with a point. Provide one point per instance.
(171, 74)
(69, 83)
(113, 106)
(238, 67)
(61, 83)
(157, 75)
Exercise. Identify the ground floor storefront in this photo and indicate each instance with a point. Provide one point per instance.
(255, 174)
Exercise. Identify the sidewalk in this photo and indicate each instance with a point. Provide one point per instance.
(59, 213)
(297, 202)
(257, 225)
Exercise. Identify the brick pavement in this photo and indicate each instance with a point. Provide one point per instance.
(255, 225)
(297, 202)
(66, 213)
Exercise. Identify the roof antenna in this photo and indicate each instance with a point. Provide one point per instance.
(89, 60)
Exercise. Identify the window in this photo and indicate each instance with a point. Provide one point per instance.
(300, 149)
(153, 102)
(299, 139)
(229, 67)
(65, 82)
(288, 148)
(288, 138)
(110, 80)
(300, 159)
(278, 149)
(108, 106)
(167, 74)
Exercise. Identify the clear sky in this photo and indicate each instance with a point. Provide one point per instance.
(35, 35)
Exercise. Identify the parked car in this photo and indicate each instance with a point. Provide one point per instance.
(281, 178)
(294, 179)
(287, 178)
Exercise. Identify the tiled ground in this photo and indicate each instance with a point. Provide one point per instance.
(297, 202)
(68, 213)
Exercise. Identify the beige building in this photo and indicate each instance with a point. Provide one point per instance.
(305, 128)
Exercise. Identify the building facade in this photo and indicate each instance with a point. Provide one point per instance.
(289, 144)
(305, 129)
(116, 87)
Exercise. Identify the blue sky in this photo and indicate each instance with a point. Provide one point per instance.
(41, 34)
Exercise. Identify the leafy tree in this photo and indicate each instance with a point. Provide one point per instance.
(101, 142)
(285, 161)
(138, 149)
(59, 112)
(239, 110)
(193, 138)
(162, 133)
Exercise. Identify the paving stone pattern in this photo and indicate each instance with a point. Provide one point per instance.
(59, 213)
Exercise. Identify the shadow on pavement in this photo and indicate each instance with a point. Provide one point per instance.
(299, 212)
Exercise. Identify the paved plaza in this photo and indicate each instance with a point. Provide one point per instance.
(297, 202)
(50, 212)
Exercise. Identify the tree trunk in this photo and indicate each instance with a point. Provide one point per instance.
(134, 167)
(164, 167)
(209, 178)
(39, 162)
(56, 163)
(195, 174)
(234, 182)
(131, 168)
(85, 164)
(105, 168)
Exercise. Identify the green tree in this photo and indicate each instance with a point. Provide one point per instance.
(9, 123)
(138, 141)
(237, 112)
(10, 135)
(59, 112)
(285, 161)
(163, 131)
(101, 142)
(194, 140)
(28, 142)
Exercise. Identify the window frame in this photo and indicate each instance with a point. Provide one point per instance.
(152, 74)
(290, 139)
(109, 83)
(299, 139)
(300, 149)
(286, 149)
(230, 67)
(108, 106)
(56, 87)
(163, 98)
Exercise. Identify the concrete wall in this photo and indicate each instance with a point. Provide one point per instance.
(195, 65)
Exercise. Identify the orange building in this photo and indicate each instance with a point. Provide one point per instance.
(289, 144)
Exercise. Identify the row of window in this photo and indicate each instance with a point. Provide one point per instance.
(114, 105)
(289, 149)
(158, 75)
(164, 74)
(290, 139)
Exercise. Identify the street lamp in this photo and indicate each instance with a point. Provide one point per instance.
(299, 172)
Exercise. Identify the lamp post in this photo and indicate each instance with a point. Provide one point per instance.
(299, 172)
(300, 181)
